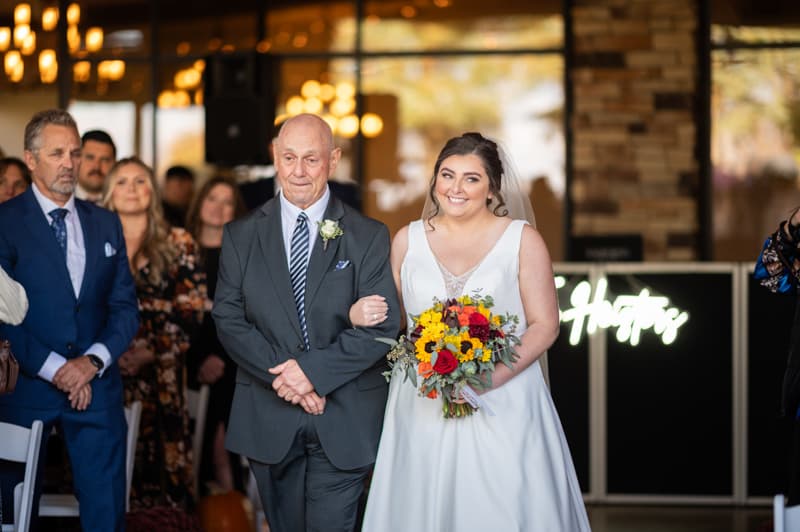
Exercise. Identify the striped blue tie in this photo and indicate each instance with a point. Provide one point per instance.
(298, 267)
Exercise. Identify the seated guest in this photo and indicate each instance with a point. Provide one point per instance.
(171, 290)
(98, 154)
(177, 194)
(15, 178)
(217, 203)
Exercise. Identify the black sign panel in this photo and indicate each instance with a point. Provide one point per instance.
(569, 386)
(669, 407)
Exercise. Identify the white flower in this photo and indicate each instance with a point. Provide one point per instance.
(328, 230)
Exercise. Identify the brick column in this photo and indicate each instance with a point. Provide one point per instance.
(635, 88)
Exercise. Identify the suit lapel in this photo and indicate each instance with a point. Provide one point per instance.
(321, 259)
(44, 239)
(270, 237)
(91, 244)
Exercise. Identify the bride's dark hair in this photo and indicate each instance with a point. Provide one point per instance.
(489, 155)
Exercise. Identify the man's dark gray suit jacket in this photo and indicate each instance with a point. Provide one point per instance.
(257, 323)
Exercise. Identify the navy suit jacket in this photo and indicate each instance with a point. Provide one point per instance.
(105, 311)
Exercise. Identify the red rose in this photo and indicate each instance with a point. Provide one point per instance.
(445, 362)
(496, 333)
(479, 326)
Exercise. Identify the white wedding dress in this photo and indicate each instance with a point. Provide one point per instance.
(508, 472)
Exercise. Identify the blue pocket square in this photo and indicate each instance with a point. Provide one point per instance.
(109, 250)
(341, 265)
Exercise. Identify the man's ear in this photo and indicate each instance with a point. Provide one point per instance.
(30, 160)
(336, 154)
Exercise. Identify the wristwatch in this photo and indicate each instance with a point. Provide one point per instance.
(96, 361)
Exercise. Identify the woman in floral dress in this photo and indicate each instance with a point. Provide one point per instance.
(172, 297)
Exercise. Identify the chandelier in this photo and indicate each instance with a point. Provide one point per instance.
(336, 105)
(20, 41)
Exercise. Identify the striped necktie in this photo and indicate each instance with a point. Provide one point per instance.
(298, 267)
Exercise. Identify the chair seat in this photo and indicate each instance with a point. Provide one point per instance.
(58, 504)
(66, 504)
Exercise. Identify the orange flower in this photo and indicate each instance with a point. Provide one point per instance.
(425, 369)
(463, 316)
(433, 394)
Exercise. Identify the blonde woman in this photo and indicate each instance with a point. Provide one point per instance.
(171, 291)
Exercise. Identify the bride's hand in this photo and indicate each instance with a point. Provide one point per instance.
(369, 311)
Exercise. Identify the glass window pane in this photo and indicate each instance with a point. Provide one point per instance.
(112, 105)
(468, 24)
(112, 79)
(731, 35)
(422, 102)
(118, 119)
(181, 134)
(312, 27)
(125, 30)
(204, 35)
(754, 153)
(326, 88)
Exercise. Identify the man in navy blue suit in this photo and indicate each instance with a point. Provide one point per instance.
(70, 257)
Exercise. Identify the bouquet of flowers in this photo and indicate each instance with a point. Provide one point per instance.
(454, 347)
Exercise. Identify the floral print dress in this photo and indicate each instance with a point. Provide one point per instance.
(778, 266)
(170, 311)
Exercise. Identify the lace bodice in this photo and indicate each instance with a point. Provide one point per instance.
(454, 284)
(423, 278)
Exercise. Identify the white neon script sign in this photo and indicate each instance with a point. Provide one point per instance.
(630, 314)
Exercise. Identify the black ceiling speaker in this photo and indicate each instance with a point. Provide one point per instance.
(240, 95)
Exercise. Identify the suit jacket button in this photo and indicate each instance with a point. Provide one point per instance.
(69, 348)
(301, 347)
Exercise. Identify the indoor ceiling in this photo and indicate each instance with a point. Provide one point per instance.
(115, 12)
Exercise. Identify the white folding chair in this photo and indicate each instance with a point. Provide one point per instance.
(66, 504)
(786, 518)
(22, 445)
(197, 406)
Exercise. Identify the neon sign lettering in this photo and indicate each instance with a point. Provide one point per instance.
(630, 314)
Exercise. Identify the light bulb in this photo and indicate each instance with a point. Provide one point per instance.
(371, 125)
(12, 59)
(22, 14)
(94, 39)
(73, 14)
(49, 18)
(20, 32)
(48, 66)
(5, 38)
(29, 44)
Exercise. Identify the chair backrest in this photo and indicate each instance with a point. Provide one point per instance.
(197, 406)
(785, 518)
(22, 445)
(133, 415)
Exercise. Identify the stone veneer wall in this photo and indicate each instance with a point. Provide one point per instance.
(635, 83)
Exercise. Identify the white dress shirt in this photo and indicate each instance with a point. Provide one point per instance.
(76, 264)
(13, 300)
(94, 197)
(289, 214)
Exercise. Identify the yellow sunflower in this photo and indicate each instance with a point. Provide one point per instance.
(468, 346)
(424, 344)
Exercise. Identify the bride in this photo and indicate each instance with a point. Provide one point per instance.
(508, 469)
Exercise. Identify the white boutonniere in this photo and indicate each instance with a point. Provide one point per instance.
(328, 230)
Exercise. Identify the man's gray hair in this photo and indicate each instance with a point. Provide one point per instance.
(33, 131)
